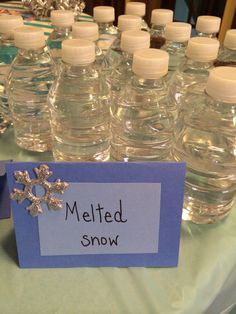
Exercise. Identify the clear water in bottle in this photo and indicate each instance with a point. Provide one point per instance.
(205, 139)
(30, 78)
(141, 125)
(79, 102)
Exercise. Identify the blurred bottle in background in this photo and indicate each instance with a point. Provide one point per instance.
(8, 52)
(177, 35)
(208, 26)
(139, 9)
(227, 54)
(62, 21)
(159, 19)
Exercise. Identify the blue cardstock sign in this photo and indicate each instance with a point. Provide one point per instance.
(112, 214)
(4, 193)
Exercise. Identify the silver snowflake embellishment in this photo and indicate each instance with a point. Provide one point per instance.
(42, 174)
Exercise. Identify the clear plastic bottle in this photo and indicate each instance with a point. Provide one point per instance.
(227, 54)
(205, 137)
(89, 31)
(208, 26)
(201, 53)
(131, 41)
(141, 125)
(30, 78)
(62, 21)
(159, 19)
(113, 56)
(177, 35)
(139, 9)
(8, 52)
(79, 103)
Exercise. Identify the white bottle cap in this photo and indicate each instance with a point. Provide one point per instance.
(9, 22)
(129, 22)
(150, 63)
(161, 16)
(221, 84)
(230, 39)
(78, 51)
(86, 30)
(178, 31)
(136, 8)
(63, 18)
(208, 24)
(104, 14)
(28, 37)
(202, 49)
(134, 40)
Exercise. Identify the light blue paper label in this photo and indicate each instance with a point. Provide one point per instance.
(103, 218)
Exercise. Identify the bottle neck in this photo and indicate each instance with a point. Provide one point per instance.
(158, 29)
(209, 35)
(77, 70)
(7, 39)
(62, 29)
(127, 57)
(104, 25)
(149, 83)
(177, 45)
(203, 65)
(31, 53)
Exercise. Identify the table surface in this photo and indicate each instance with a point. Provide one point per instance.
(204, 281)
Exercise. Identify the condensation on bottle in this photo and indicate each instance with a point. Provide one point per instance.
(8, 52)
(113, 56)
(89, 31)
(121, 74)
(177, 35)
(30, 78)
(208, 26)
(227, 54)
(138, 9)
(142, 126)
(62, 21)
(104, 16)
(205, 138)
(79, 104)
(201, 53)
(159, 19)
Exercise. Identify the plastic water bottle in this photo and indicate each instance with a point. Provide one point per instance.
(113, 56)
(131, 41)
(227, 54)
(139, 9)
(205, 137)
(177, 35)
(201, 53)
(8, 52)
(62, 21)
(208, 26)
(79, 102)
(159, 19)
(89, 31)
(30, 78)
(141, 124)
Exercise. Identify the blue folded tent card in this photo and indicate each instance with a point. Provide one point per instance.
(97, 214)
(4, 193)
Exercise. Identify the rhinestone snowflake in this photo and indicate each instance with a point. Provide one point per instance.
(42, 175)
